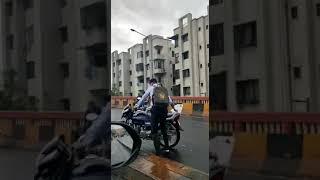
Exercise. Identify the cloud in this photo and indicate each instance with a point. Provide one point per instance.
(149, 17)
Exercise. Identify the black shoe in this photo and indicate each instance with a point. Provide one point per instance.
(166, 150)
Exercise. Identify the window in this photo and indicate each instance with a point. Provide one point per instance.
(217, 39)
(297, 72)
(9, 8)
(119, 62)
(28, 4)
(114, 75)
(172, 53)
(245, 35)
(147, 53)
(176, 74)
(93, 15)
(100, 60)
(139, 67)
(185, 55)
(185, 21)
(187, 91)
(10, 39)
(176, 58)
(294, 12)
(148, 66)
(207, 27)
(66, 104)
(140, 54)
(130, 61)
(186, 73)
(200, 47)
(201, 84)
(248, 92)
(63, 3)
(215, 2)
(64, 34)
(176, 43)
(318, 9)
(65, 70)
(158, 51)
(158, 64)
(120, 83)
(130, 83)
(29, 37)
(199, 28)
(200, 65)
(30, 70)
(185, 37)
(113, 64)
(130, 73)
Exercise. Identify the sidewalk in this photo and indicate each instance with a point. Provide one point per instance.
(149, 166)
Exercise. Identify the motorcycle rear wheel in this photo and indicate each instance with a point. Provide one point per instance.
(177, 137)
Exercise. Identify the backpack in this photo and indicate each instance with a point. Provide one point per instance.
(160, 96)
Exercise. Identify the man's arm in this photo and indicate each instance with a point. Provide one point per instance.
(144, 97)
(171, 103)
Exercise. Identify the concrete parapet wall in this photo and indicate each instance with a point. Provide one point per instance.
(198, 106)
(286, 144)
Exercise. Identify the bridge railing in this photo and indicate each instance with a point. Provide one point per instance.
(192, 105)
(33, 129)
(290, 140)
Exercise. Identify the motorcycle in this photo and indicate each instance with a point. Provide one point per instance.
(60, 161)
(140, 120)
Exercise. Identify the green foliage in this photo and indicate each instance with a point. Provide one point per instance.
(11, 99)
(115, 91)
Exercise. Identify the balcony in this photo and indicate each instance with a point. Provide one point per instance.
(139, 73)
(159, 71)
(98, 81)
(93, 23)
(159, 56)
(140, 86)
(93, 36)
(85, 3)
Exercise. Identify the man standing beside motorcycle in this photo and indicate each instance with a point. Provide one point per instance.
(159, 110)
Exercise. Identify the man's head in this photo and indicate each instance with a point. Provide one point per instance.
(152, 81)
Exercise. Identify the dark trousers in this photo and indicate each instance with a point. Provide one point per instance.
(159, 115)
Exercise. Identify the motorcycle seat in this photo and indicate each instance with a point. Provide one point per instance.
(171, 116)
(141, 113)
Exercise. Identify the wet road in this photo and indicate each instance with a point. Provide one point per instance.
(193, 148)
(17, 164)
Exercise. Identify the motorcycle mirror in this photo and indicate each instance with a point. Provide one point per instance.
(125, 145)
(91, 116)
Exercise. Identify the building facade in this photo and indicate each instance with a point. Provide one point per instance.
(136, 70)
(265, 56)
(120, 72)
(180, 63)
(158, 56)
(191, 73)
(58, 50)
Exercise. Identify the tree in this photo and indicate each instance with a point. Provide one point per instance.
(13, 99)
(115, 91)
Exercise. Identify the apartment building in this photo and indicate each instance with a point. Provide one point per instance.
(58, 50)
(265, 55)
(158, 58)
(136, 70)
(120, 72)
(191, 57)
(180, 62)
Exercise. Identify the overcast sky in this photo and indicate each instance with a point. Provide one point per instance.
(158, 17)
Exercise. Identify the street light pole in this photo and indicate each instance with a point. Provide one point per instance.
(133, 30)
